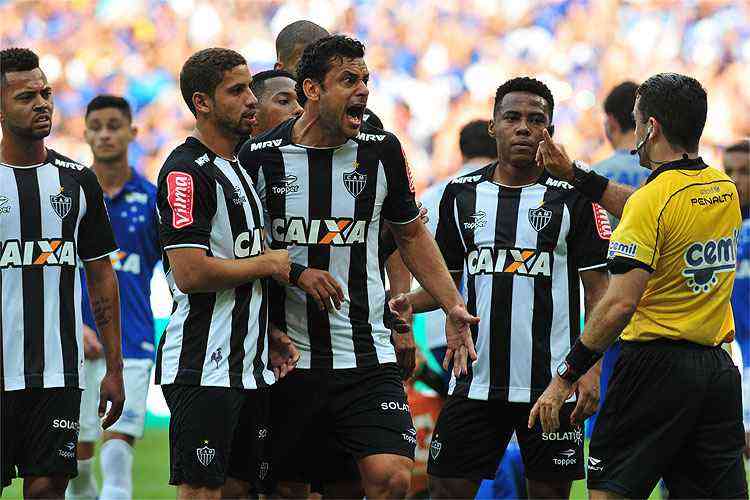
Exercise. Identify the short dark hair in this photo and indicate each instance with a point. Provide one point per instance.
(17, 59)
(299, 32)
(619, 103)
(525, 84)
(258, 85)
(318, 57)
(104, 101)
(475, 141)
(742, 146)
(204, 71)
(679, 103)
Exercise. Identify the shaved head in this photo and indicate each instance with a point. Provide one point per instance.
(292, 40)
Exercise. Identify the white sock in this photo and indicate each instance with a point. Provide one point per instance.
(117, 470)
(83, 486)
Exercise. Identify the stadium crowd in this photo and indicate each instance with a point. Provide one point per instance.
(434, 66)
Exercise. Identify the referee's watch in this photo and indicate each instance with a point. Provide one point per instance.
(566, 372)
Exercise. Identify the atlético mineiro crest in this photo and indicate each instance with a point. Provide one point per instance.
(205, 454)
(435, 448)
(61, 203)
(539, 218)
(263, 470)
(354, 182)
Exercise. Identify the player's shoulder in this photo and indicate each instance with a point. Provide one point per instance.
(84, 175)
(190, 157)
(471, 178)
(371, 136)
(268, 141)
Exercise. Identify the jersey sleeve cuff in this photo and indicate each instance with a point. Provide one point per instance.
(595, 266)
(401, 223)
(186, 245)
(91, 259)
(621, 265)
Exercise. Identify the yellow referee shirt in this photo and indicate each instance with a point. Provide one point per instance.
(682, 226)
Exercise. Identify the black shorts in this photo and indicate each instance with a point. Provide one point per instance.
(471, 436)
(342, 413)
(673, 410)
(39, 432)
(215, 432)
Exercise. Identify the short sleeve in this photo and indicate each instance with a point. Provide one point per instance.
(186, 201)
(634, 244)
(447, 235)
(590, 235)
(95, 236)
(399, 206)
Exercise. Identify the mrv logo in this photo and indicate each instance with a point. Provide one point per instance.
(706, 259)
(509, 260)
(336, 232)
(16, 253)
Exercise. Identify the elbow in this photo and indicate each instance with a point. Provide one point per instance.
(624, 307)
(187, 280)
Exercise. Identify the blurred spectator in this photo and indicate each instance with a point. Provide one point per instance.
(434, 66)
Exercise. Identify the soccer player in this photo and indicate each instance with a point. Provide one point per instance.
(737, 167)
(131, 201)
(213, 359)
(674, 407)
(520, 240)
(52, 216)
(327, 184)
(277, 99)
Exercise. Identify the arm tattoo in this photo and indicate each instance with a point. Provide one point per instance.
(101, 308)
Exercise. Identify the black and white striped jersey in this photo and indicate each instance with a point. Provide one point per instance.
(326, 205)
(52, 216)
(212, 339)
(520, 251)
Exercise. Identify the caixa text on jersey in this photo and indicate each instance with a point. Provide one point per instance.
(337, 232)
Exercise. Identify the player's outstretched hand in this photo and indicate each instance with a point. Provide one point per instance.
(322, 287)
(279, 265)
(554, 158)
(460, 346)
(111, 390)
(282, 352)
(587, 399)
(547, 407)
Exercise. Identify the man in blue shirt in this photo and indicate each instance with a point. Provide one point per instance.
(131, 203)
(737, 166)
(622, 167)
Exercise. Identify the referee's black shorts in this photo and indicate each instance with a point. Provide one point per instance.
(673, 410)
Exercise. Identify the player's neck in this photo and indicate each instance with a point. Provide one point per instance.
(624, 141)
(309, 131)
(113, 175)
(508, 175)
(15, 150)
(218, 141)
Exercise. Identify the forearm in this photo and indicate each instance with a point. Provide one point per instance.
(399, 276)
(422, 257)
(614, 198)
(607, 321)
(205, 274)
(421, 301)
(104, 298)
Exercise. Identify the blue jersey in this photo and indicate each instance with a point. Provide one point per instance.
(134, 220)
(741, 293)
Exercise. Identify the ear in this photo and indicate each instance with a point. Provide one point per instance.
(491, 129)
(202, 102)
(655, 127)
(87, 137)
(133, 132)
(311, 89)
(277, 65)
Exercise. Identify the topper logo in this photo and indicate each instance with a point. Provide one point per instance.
(180, 193)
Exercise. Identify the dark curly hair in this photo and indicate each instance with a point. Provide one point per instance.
(104, 101)
(204, 71)
(679, 103)
(320, 55)
(17, 59)
(525, 84)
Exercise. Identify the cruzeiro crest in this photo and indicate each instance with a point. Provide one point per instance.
(539, 218)
(354, 182)
(205, 454)
(61, 203)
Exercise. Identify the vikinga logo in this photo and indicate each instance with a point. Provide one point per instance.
(509, 260)
(37, 253)
(336, 232)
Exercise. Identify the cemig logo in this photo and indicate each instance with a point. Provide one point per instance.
(248, 244)
(265, 144)
(45, 252)
(626, 250)
(704, 260)
(337, 232)
(525, 262)
(180, 192)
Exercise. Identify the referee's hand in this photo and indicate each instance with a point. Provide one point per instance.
(547, 407)
(111, 390)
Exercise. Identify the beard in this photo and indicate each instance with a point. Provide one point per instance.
(28, 133)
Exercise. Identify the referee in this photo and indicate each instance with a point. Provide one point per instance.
(674, 407)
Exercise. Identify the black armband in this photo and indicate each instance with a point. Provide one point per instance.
(589, 183)
(578, 361)
(295, 272)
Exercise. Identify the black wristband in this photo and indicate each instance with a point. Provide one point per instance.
(579, 360)
(295, 272)
(589, 184)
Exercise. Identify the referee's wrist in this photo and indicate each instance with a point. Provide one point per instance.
(587, 182)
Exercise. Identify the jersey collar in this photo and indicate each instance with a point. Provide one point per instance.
(682, 164)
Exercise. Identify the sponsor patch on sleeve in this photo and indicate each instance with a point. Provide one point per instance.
(603, 226)
(180, 194)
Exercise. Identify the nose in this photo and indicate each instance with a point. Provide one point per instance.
(252, 101)
(523, 128)
(362, 89)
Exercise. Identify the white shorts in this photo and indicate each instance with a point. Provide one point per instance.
(136, 375)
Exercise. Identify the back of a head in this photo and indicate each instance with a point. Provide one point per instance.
(318, 57)
(104, 101)
(204, 71)
(679, 103)
(15, 59)
(619, 103)
(476, 142)
(291, 37)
